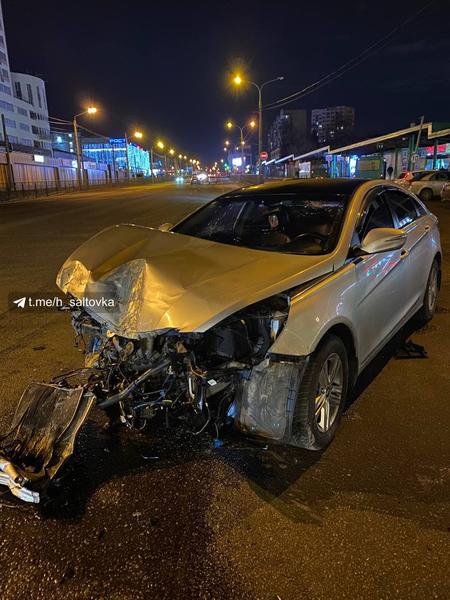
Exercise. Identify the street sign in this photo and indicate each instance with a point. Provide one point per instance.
(263, 156)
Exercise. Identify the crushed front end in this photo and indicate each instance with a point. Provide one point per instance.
(173, 330)
(193, 378)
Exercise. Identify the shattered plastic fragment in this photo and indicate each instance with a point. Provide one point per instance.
(42, 436)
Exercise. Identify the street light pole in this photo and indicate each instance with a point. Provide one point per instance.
(241, 129)
(260, 127)
(91, 110)
(127, 158)
(238, 80)
(77, 149)
(230, 125)
(151, 164)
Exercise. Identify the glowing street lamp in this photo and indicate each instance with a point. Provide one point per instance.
(138, 135)
(238, 80)
(230, 125)
(89, 111)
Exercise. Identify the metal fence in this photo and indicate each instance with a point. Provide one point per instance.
(39, 189)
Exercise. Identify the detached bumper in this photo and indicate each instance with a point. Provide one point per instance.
(41, 437)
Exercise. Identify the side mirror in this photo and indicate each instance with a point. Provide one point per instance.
(383, 239)
(165, 227)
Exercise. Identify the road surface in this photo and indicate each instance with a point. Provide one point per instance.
(145, 516)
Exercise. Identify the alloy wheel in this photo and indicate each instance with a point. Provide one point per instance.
(433, 287)
(329, 392)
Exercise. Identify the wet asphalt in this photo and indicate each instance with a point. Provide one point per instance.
(166, 515)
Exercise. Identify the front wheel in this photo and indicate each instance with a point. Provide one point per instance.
(431, 293)
(426, 195)
(322, 395)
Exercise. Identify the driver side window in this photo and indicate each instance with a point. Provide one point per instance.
(377, 214)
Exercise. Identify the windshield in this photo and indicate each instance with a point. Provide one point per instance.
(297, 224)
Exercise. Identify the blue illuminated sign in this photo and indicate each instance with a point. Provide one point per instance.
(117, 140)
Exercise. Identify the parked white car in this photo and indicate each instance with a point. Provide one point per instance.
(260, 309)
(425, 184)
(445, 194)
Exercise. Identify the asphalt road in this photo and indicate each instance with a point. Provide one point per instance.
(164, 516)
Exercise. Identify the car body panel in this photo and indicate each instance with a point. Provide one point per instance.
(169, 280)
(372, 296)
(162, 280)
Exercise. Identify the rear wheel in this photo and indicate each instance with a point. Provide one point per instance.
(431, 293)
(322, 394)
(426, 195)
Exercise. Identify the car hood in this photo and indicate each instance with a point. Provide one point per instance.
(137, 279)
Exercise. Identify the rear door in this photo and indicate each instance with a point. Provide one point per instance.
(418, 252)
(381, 294)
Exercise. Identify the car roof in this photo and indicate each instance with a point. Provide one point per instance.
(344, 186)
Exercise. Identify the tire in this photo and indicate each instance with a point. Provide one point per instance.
(310, 428)
(426, 195)
(428, 309)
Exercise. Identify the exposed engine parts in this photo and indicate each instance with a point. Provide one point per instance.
(204, 381)
(191, 377)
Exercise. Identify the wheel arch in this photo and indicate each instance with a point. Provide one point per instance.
(425, 189)
(344, 333)
(438, 257)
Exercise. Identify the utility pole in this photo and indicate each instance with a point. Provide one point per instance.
(127, 158)
(242, 150)
(260, 129)
(151, 164)
(91, 110)
(78, 151)
(238, 80)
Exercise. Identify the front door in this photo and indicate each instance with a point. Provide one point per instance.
(380, 280)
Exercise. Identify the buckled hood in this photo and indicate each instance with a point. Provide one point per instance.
(158, 280)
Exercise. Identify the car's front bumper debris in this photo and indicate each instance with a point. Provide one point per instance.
(42, 435)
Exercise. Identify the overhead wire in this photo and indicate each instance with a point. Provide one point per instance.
(348, 65)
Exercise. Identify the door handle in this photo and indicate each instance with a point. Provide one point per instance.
(404, 253)
(427, 228)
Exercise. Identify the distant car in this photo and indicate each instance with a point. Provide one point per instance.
(199, 178)
(407, 176)
(425, 184)
(179, 179)
(223, 178)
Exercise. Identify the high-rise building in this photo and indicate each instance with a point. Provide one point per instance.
(333, 124)
(288, 133)
(23, 102)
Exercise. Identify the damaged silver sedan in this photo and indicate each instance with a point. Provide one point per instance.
(258, 311)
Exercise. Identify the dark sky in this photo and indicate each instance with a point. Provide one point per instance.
(163, 65)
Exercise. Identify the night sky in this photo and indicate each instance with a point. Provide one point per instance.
(165, 66)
